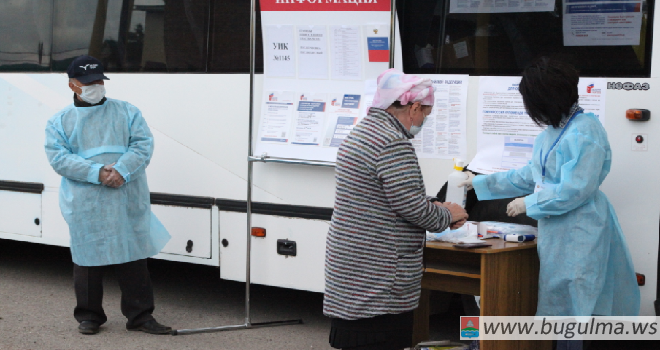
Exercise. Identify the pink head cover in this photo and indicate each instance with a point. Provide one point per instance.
(393, 85)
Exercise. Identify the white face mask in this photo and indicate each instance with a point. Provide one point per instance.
(92, 93)
(414, 129)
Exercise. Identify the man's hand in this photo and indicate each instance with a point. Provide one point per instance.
(458, 215)
(103, 175)
(114, 178)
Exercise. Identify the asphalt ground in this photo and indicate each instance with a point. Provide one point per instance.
(37, 301)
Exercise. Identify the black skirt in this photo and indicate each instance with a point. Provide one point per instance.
(384, 332)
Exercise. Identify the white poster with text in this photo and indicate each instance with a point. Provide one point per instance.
(309, 119)
(443, 135)
(277, 112)
(500, 6)
(506, 133)
(312, 52)
(346, 52)
(598, 23)
(280, 56)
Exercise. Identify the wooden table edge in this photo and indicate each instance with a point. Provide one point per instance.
(498, 246)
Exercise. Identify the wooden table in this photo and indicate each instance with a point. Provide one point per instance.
(505, 275)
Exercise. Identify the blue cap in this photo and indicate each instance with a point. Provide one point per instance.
(86, 69)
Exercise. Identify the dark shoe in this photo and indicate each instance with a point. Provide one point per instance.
(151, 327)
(88, 327)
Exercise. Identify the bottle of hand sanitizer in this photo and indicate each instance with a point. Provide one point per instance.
(457, 194)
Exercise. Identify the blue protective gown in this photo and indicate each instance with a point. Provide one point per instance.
(586, 268)
(107, 225)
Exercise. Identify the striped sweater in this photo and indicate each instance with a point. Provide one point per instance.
(373, 262)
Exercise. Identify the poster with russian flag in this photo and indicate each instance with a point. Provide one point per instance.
(317, 55)
(378, 42)
(379, 49)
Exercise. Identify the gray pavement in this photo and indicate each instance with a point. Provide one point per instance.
(37, 300)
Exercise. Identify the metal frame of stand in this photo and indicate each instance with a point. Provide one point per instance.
(264, 158)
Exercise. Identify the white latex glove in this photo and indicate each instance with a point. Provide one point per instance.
(468, 182)
(516, 207)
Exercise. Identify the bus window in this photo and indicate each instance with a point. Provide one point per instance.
(25, 35)
(437, 41)
(230, 38)
(132, 35)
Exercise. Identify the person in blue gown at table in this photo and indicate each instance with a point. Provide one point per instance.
(585, 266)
(101, 147)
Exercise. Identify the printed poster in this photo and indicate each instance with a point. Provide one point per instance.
(506, 133)
(500, 6)
(598, 23)
(312, 52)
(309, 119)
(277, 111)
(343, 116)
(346, 55)
(443, 135)
(280, 56)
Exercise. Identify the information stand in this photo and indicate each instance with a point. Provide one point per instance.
(295, 5)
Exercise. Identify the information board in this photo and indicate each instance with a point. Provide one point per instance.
(317, 56)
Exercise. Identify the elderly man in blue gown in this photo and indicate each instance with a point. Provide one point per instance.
(101, 148)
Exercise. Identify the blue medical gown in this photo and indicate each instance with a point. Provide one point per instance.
(107, 225)
(586, 268)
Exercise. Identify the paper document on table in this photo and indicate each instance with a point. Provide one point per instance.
(312, 52)
(443, 135)
(280, 57)
(309, 119)
(277, 112)
(346, 52)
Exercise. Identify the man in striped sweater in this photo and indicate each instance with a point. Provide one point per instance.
(374, 248)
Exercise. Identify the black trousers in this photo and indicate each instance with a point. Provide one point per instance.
(137, 296)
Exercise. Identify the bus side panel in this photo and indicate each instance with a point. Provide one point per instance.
(632, 185)
(304, 271)
(190, 229)
(21, 213)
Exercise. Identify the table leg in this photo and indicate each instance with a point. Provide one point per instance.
(507, 289)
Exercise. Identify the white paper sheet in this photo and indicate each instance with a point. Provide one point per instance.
(312, 52)
(309, 119)
(506, 133)
(343, 114)
(280, 55)
(595, 23)
(276, 115)
(346, 52)
(370, 87)
(444, 133)
(499, 6)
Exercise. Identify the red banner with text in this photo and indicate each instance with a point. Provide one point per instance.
(325, 5)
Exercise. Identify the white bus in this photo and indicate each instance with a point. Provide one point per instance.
(185, 64)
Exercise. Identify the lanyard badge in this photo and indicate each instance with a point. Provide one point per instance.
(542, 160)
